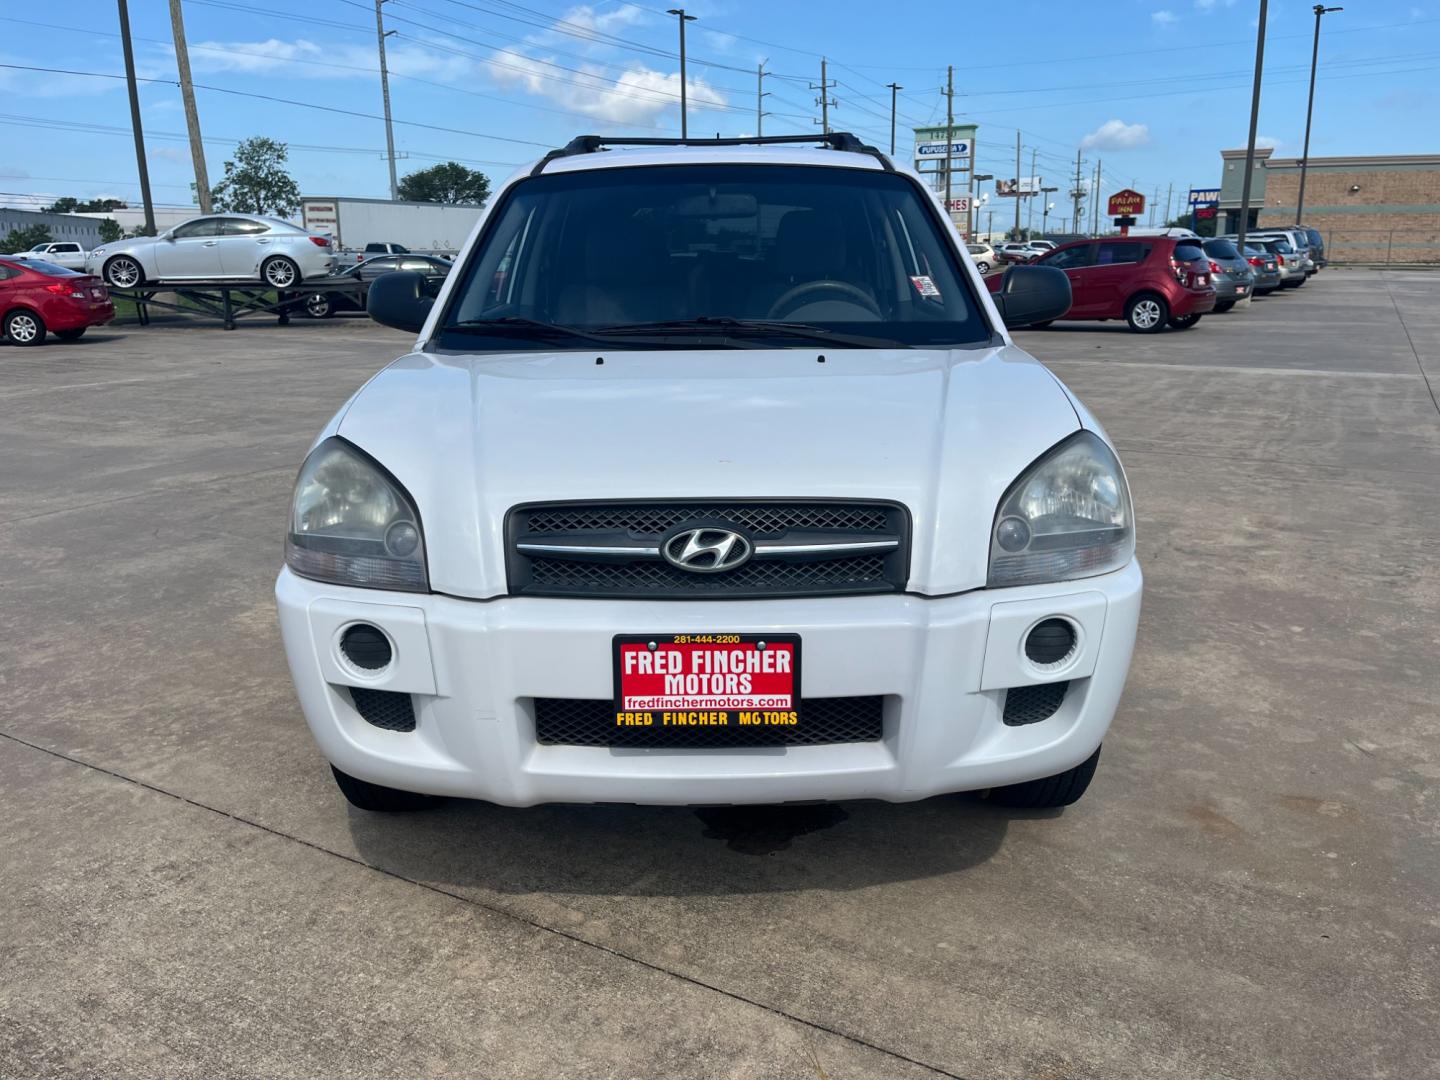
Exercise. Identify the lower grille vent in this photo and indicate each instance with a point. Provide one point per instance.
(1031, 704)
(591, 722)
(384, 708)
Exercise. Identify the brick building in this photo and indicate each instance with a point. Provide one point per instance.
(1368, 209)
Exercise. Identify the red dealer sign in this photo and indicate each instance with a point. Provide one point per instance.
(1127, 203)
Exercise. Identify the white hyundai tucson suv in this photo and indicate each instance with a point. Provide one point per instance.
(713, 476)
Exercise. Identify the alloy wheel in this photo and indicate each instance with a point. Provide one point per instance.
(280, 273)
(1147, 314)
(123, 273)
(23, 328)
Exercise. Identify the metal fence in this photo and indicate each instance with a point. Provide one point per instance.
(1383, 247)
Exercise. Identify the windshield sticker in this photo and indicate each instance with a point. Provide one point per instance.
(924, 286)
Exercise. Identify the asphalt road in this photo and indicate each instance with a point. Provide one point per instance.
(1250, 889)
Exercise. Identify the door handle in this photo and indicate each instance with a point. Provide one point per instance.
(210, 243)
(262, 240)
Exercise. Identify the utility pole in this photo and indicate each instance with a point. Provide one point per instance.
(135, 119)
(895, 88)
(380, 36)
(1045, 193)
(1077, 193)
(1309, 108)
(1170, 191)
(1095, 203)
(1254, 118)
(1030, 201)
(1017, 184)
(679, 13)
(192, 115)
(824, 100)
(760, 95)
(949, 130)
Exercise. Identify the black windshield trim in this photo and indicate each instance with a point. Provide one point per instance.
(990, 331)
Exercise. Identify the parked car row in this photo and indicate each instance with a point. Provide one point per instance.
(1155, 279)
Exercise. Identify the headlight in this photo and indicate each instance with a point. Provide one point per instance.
(351, 524)
(1068, 516)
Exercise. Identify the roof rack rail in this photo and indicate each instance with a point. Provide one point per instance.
(590, 144)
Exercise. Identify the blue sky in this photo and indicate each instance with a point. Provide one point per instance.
(1153, 89)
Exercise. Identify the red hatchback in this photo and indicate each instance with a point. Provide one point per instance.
(1149, 281)
(37, 298)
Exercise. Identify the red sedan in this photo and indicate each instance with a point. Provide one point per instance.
(37, 298)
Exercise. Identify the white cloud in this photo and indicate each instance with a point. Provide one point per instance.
(168, 153)
(1162, 18)
(306, 59)
(1268, 140)
(638, 95)
(1211, 5)
(1116, 135)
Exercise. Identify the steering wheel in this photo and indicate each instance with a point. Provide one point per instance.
(851, 292)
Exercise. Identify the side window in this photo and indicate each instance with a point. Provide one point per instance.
(241, 227)
(382, 265)
(67, 248)
(425, 266)
(1120, 252)
(202, 227)
(1069, 258)
(6, 273)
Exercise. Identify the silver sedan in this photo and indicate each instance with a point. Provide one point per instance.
(217, 247)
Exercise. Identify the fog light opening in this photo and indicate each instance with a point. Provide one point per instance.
(1052, 643)
(366, 647)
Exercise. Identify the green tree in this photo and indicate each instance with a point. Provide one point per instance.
(448, 182)
(110, 231)
(63, 205)
(1204, 226)
(18, 240)
(256, 181)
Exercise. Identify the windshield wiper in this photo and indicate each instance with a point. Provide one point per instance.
(724, 324)
(522, 326)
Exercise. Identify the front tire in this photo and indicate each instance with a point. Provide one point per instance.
(1048, 792)
(379, 799)
(71, 335)
(983, 267)
(24, 328)
(1222, 306)
(319, 307)
(1183, 322)
(123, 272)
(1147, 313)
(280, 272)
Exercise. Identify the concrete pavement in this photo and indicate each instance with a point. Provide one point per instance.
(1248, 890)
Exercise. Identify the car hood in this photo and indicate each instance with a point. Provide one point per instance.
(942, 432)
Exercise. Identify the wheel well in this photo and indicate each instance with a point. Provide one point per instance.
(124, 255)
(12, 309)
(1146, 292)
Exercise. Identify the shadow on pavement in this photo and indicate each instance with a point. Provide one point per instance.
(680, 851)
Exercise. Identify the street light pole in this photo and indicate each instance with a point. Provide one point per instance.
(1244, 223)
(679, 13)
(895, 88)
(381, 34)
(1320, 10)
(1045, 210)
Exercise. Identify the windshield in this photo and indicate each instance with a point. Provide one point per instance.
(700, 256)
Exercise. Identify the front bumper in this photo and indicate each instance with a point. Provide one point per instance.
(943, 665)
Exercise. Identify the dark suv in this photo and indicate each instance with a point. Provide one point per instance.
(1149, 281)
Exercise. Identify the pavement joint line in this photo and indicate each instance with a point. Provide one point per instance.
(167, 490)
(1239, 370)
(1413, 351)
(1132, 449)
(491, 909)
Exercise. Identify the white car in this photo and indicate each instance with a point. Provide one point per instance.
(66, 253)
(983, 254)
(217, 247)
(730, 487)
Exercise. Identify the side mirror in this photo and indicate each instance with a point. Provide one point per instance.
(1032, 294)
(399, 299)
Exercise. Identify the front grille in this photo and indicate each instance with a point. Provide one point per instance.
(591, 722)
(649, 524)
(384, 708)
(1031, 704)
